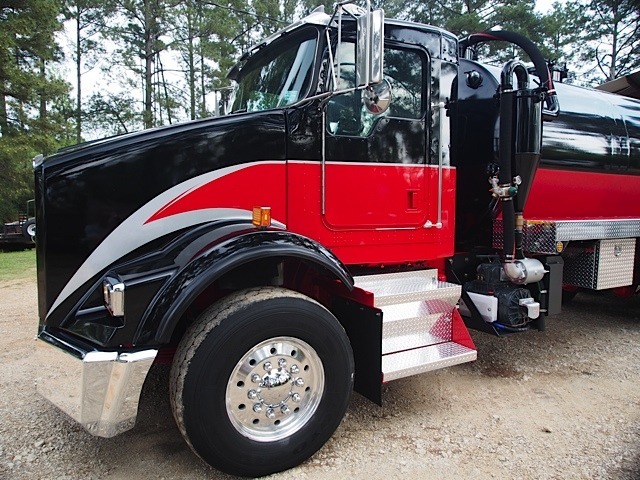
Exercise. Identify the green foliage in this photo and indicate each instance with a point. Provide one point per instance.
(614, 30)
(88, 18)
(598, 39)
(270, 17)
(207, 41)
(16, 175)
(111, 113)
(561, 28)
(34, 106)
(464, 17)
(139, 28)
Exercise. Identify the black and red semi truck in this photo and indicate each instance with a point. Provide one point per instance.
(373, 193)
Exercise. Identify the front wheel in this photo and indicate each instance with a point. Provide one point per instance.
(261, 381)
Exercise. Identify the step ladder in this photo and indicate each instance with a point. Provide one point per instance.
(421, 329)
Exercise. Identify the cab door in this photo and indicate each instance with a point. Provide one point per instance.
(374, 166)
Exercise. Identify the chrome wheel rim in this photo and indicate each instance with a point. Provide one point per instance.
(275, 389)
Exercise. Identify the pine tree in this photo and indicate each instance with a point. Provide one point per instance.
(203, 38)
(88, 18)
(615, 29)
(139, 28)
(34, 109)
(560, 38)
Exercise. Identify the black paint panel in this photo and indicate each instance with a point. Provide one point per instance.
(595, 131)
(144, 272)
(192, 280)
(87, 192)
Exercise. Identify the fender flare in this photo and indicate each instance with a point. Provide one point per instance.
(178, 294)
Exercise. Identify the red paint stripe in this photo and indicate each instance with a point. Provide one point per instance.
(294, 193)
(248, 187)
(575, 195)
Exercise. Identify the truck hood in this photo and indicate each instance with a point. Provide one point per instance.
(85, 193)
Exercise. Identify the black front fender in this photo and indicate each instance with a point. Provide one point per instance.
(176, 297)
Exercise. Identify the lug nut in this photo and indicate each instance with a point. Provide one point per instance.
(285, 410)
(252, 394)
(267, 366)
(257, 407)
(255, 378)
(294, 369)
(295, 397)
(299, 382)
(282, 363)
(270, 413)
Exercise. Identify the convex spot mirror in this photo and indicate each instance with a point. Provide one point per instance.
(377, 97)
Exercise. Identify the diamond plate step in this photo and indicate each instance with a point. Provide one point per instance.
(404, 287)
(415, 324)
(420, 360)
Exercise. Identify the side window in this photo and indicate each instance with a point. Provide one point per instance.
(405, 71)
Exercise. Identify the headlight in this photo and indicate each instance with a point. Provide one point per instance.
(113, 291)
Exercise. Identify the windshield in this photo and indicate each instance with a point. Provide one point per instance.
(277, 76)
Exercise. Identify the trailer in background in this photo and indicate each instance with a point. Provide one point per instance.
(21, 234)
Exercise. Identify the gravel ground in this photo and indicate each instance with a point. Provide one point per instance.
(561, 404)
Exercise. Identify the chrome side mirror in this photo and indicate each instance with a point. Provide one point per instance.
(370, 30)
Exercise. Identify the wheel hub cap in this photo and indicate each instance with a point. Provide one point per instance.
(275, 389)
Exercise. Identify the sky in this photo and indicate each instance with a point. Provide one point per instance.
(544, 6)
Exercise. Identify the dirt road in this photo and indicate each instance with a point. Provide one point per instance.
(561, 404)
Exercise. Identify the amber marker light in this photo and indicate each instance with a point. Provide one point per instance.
(262, 216)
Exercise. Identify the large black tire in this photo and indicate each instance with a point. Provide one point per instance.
(261, 381)
(29, 229)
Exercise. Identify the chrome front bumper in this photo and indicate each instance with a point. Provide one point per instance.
(99, 390)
